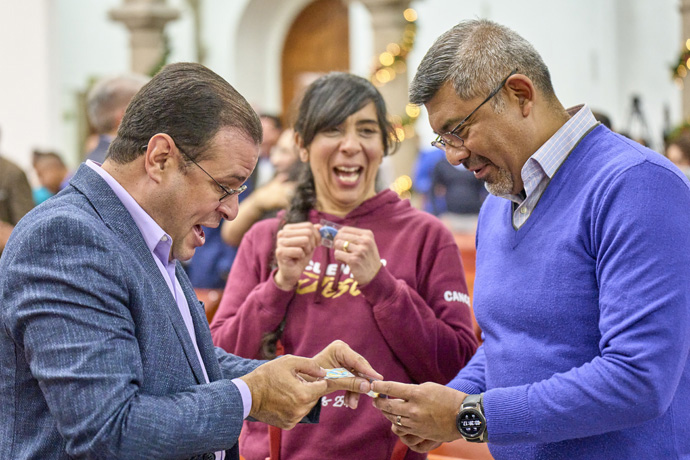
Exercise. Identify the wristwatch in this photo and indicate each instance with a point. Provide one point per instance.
(470, 420)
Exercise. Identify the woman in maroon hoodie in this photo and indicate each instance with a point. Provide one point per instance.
(391, 284)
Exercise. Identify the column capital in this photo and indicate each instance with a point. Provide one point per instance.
(146, 20)
(144, 14)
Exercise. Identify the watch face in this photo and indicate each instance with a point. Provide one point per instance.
(471, 423)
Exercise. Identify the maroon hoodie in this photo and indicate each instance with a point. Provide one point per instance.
(412, 322)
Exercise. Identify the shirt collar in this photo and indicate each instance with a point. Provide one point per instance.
(157, 240)
(551, 155)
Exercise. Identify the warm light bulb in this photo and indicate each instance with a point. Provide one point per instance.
(412, 110)
(405, 182)
(386, 58)
(393, 48)
(383, 76)
(410, 15)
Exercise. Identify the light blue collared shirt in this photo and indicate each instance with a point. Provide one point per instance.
(159, 243)
(540, 168)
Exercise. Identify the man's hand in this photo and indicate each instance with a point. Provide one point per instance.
(286, 389)
(280, 396)
(416, 443)
(427, 412)
(339, 354)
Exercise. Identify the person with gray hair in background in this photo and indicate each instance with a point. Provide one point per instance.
(582, 285)
(106, 103)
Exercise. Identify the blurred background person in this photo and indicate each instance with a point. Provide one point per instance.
(391, 283)
(267, 200)
(458, 195)
(678, 151)
(52, 175)
(264, 170)
(422, 173)
(602, 118)
(106, 103)
(15, 198)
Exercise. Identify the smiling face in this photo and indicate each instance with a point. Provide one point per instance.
(344, 161)
(189, 198)
(492, 147)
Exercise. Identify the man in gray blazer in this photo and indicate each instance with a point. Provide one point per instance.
(105, 351)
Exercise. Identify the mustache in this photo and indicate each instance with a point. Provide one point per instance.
(475, 162)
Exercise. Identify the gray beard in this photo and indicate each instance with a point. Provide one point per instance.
(502, 185)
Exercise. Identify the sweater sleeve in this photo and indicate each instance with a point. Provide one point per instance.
(436, 314)
(470, 379)
(640, 240)
(252, 304)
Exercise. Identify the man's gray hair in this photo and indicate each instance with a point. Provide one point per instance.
(108, 99)
(475, 56)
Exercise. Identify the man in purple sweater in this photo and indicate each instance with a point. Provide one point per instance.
(583, 270)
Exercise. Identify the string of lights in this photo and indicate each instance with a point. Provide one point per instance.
(680, 69)
(391, 63)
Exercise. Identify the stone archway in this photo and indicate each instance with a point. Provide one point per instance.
(257, 46)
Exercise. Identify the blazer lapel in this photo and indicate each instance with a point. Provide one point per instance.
(201, 329)
(117, 218)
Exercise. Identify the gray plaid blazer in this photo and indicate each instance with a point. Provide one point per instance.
(95, 359)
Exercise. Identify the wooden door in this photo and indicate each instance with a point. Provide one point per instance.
(317, 43)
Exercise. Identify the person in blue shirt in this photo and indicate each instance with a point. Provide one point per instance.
(582, 285)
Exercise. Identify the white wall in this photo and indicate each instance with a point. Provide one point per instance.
(28, 104)
(599, 51)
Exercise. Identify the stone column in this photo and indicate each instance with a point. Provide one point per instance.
(685, 16)
(389, 26)
(145, 20)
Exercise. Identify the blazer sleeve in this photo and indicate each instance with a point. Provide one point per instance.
(70, 318)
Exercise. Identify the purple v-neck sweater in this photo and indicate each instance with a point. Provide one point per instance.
(586, 311)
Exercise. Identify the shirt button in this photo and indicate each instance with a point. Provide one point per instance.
(523, 211)
(164, 238)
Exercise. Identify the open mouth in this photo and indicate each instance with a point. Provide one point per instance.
(200, 235)
(348, 174)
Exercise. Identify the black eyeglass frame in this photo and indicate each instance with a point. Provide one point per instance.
(449, 138)
(226, 191)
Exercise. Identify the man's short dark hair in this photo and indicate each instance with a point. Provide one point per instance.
(189, 102)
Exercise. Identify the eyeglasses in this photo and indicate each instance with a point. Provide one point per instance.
(226, 191)
(451, 138)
